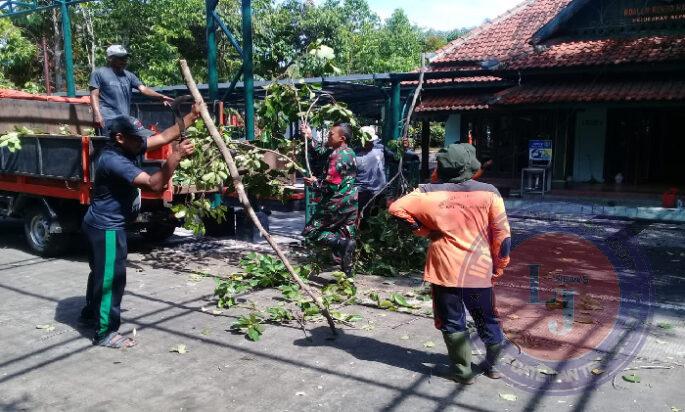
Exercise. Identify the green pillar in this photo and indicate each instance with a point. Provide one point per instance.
(68, 53)
(212, 73)
(248, 77)
(396, 128)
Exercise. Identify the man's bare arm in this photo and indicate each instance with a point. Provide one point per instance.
(158, 181)
(95, 105)
(168, 135)
(151, 93)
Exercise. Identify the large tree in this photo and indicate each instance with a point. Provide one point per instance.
(159, 32)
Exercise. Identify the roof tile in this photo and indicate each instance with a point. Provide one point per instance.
(507, 40)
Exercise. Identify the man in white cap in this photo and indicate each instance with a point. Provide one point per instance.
(370, 168)
(111, 88)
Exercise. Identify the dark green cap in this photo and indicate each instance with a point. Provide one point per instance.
(457, 163)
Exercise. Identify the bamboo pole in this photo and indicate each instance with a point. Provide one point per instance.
(242, 194)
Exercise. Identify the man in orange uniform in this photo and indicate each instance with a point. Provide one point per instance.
(470, 244)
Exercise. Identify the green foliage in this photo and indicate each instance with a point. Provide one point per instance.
(388, 247)
(394, 302)
(250, 325)
(298, 37)
(206, 172)
(227, 290)
(11, 141)
(16, 55)
(291, 292)
(264, 271)
(279, 314)
(259, 271)
(437, 133)
(342, 290)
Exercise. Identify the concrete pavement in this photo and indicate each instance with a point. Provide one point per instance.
(386, 362)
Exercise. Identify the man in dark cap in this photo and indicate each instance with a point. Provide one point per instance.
(470, 242)
(116, 201)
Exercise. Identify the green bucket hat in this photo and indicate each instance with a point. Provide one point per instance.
(457, 163)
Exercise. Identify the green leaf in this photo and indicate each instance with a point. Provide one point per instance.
(400, 300)
(665, 325)
(354, 318)
(632, 378)
(254, 334)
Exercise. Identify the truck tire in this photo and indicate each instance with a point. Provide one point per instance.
(158, 232)
(37, 222)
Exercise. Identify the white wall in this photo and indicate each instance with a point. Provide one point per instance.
(453, 129)
(588, 163)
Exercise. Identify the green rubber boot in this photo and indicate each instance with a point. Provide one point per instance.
(492, 357)
(459, 351)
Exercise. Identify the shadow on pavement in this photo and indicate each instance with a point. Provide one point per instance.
(68, 311)
(369, 349)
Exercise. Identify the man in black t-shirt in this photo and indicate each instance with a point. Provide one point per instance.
(116, 201)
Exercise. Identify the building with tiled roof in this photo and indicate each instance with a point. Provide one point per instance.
(601, 81)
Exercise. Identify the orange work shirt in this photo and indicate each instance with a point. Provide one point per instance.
(468, 227)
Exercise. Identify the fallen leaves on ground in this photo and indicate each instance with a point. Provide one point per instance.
(429, 344)
(180, 348)
(47, 327)
(597, 371)
(664, 325)
(632, 378)
(508, 397)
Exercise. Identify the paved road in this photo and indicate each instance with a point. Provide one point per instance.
(387, 364)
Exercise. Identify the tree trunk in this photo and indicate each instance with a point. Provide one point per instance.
(46, 65)
(57, 54)
(242, 194)
(90, 42)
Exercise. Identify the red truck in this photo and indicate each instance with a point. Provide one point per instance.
(47, 182)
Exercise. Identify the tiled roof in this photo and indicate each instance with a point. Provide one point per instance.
(565, 92)
(605, 51)
(454, 103)
(508, 40)
(572, 92)
(504, 37)
(458, 80)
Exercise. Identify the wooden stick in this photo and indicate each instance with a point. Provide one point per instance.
(242, 194)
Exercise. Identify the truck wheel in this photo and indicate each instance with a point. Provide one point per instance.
(158, 232)
(37, 222)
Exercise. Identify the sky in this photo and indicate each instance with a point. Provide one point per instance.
(444, 14)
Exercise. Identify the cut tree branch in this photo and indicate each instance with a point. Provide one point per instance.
(242, 194)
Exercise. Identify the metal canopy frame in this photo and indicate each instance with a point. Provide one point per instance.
(13, 8)
(364, 94)
(215, 22)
